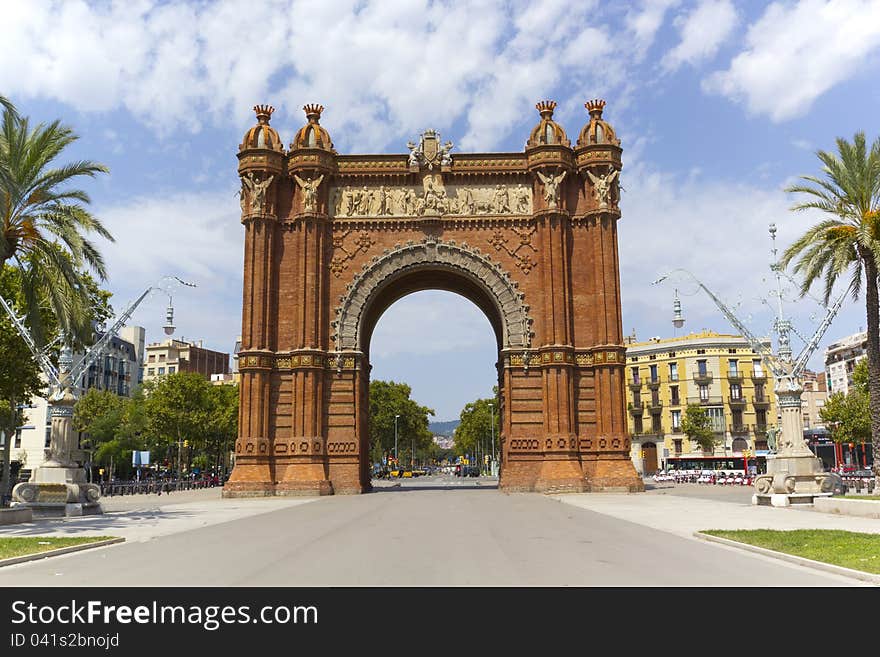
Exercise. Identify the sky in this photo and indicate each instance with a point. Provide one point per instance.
(719, 106)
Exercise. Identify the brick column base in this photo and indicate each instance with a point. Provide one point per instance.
(612, 473)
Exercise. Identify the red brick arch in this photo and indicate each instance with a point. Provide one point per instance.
(332, 240)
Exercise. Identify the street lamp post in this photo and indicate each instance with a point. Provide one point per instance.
(395, 439)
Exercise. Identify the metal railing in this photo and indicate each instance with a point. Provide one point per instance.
(147, 486)
(705, 401)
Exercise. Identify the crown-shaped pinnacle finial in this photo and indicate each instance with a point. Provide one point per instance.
(264, 113)
(545, 108)
(313, 111)
(595, 107)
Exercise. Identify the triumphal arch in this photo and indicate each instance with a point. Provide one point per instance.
(333, 239)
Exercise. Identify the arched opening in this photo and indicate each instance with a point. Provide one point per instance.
(740, 445)
(439, 346)
(441, 332)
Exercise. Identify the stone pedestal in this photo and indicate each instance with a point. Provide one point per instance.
(58, 488)
(794, 474)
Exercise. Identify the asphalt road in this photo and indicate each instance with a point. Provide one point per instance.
(423, 533)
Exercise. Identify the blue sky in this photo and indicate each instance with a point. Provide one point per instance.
(719, 105)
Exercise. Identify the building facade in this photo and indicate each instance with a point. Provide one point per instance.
(116, 369)
(840, 361)
(720, 373)
(173, 356)
(813, 399)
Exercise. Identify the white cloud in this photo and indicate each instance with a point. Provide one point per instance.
(644, 23)
(702, 31)
(384, 70)
(796, 52)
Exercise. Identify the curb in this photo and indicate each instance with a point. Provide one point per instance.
(801, 561)
(54, 553)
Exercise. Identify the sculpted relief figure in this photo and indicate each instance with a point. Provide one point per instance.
(602, 186)
(522, 199)
(256, 189)
(310, 191)
(501, 200)
(551, 188)
(433, 198)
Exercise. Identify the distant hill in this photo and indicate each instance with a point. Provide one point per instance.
(443, 428)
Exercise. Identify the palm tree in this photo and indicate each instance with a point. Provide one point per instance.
(43, 220)
(846, 243)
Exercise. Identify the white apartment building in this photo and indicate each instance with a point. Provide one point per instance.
(840, 361)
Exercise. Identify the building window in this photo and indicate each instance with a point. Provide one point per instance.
(637, 398)
(676, 445)
(656, 425)
(676, 420)
(737, 420)
(704, 393)
(171, 369)
(761, 418)
(716, 415)
(731, 351)
(161, 356)
(702, 369)
(18, 439)
(674, 392)
(759, 393)
(152, 358)
(637, 425)
(758, 368)
(673, 371)
(672, 354)
(733, 367)
(151, 371)
(161, 370)
(635, 373)
(736, 391)
(654, 376)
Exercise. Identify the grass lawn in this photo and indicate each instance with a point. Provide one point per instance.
(862, 497)
(849, 549)
(17, 546)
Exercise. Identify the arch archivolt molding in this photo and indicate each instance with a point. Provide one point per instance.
(431, 253)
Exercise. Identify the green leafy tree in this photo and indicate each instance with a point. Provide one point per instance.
(475, 427)
(388, 399)
(222, 424)
(177, 409)
(847, 242)
(44, 221)
(697, 426)
(849, 415)
(19, 381)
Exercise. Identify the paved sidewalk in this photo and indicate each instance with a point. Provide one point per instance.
(144, 517)
(683, 516)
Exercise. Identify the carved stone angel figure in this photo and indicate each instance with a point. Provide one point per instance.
(602, 186)
(257, 190)
(551, 188)
(310, 191)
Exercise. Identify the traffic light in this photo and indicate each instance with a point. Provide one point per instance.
(186, 443)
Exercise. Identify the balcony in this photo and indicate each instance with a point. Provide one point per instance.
(654, 382)
(706, 401)
(655, 406)
(675, 401)
(761, 429)
(736, 401)
(703, 377)
(635, 408)
(761, 401)
(735, 375)
(739, 428)
(676, 429)
(635, 384)
(759, 375)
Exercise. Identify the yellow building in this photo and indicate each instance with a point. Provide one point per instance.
(720, 373)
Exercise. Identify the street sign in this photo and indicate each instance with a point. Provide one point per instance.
(140, 458)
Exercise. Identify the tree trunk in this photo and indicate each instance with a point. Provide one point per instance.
(872, 304)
